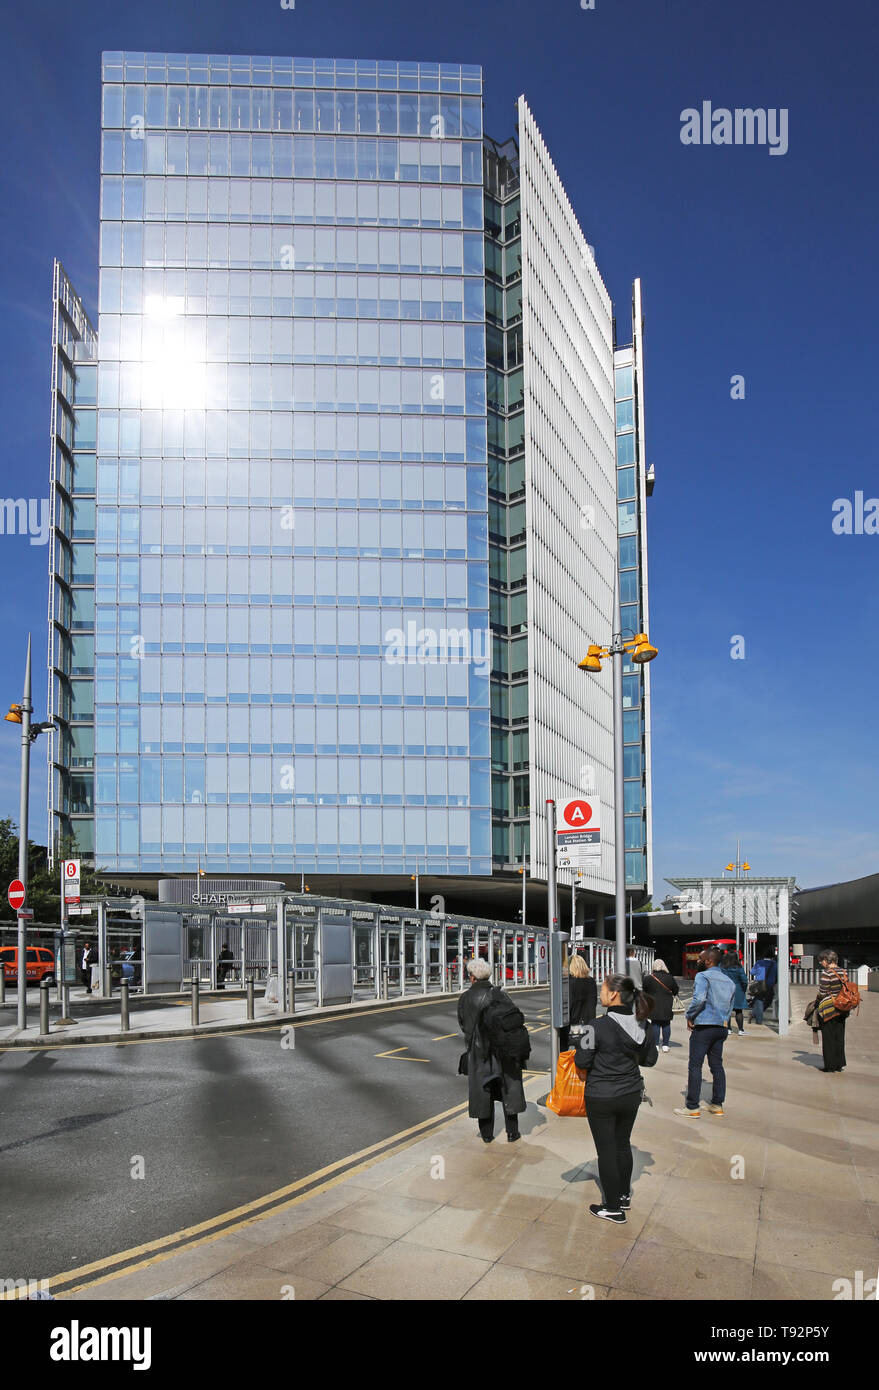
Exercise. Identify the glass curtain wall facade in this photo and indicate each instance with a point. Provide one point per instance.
(71, 618)
(632, 492)
(292, 524)
(507, 527)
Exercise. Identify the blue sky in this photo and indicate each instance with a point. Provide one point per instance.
(751, 264)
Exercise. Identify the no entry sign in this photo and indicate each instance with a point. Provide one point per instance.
(16, 893)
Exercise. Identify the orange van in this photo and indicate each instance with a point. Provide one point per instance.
(40, 964)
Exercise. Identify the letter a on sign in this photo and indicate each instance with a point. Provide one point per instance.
(578, 833)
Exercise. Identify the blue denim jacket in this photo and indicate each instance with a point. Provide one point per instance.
(712, 1001)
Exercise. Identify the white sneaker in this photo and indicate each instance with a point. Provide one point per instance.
(665, 1047)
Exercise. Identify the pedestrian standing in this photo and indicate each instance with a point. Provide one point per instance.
(583, 997)
(491, 1075)
(764, 973)
(85, 969)
(224, 964)
(662, 987)
(708, 1016)
(612, 1052)
(832, 1029)
(732, 968)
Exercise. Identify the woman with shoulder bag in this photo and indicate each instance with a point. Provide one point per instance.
(832, 1029)
(662, 988)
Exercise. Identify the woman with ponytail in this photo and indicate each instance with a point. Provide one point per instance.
(612, 1052)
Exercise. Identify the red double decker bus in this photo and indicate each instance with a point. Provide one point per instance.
(694, 949)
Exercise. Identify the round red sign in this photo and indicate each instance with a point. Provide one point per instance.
(578, 813)
(16, 893)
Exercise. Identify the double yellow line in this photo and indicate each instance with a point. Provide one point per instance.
(141, 1257)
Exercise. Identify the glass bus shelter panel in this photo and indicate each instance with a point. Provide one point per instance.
(336, 982)
(391, 929)
(260, 942)
(301, 936)
(227, 934)
(124, 952)
(365, 958)
(454, 957)
(435, 963)
(197, 946)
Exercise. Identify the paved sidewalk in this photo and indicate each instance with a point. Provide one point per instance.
(778, 1199)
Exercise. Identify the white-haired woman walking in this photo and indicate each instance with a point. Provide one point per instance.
(490, 1077)
(662, 987)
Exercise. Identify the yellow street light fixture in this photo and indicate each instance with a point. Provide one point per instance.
(592, 659)
(639, 651)
(14, 715)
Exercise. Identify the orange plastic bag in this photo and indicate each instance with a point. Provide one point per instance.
(568, 1094)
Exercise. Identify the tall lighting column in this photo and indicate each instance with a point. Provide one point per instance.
(640, 651)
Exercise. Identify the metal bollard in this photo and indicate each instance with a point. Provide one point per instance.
(194, 1019)
(291, 991)
(385, 982)
(250, 996)
(44, 1007)
(123, 992)
(2, 984)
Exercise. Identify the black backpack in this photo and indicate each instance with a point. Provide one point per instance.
(504, 1025)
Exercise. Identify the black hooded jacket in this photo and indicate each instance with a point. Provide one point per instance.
(614, 1053)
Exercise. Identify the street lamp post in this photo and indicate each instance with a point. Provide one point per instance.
(640, 652)
(24, 804)
(552, 911)
(21, 714)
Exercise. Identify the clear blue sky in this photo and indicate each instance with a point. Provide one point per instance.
(751, 264)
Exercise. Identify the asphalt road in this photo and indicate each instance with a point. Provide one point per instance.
(216, 1121)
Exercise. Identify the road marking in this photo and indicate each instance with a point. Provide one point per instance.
(443, 1036)
(536, 1028)
(393, 1051)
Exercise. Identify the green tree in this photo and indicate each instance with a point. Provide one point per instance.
(43, 887)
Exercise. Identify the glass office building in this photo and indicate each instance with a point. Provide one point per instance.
(293, 470)
(634, 486)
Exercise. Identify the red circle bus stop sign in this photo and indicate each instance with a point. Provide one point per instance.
(15, 893)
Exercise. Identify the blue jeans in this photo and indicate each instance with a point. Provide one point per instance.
(706, 1041)
(665, 1030)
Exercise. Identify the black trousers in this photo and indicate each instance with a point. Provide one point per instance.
(486, 1126)
(833, 1044)
(611, 1123)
